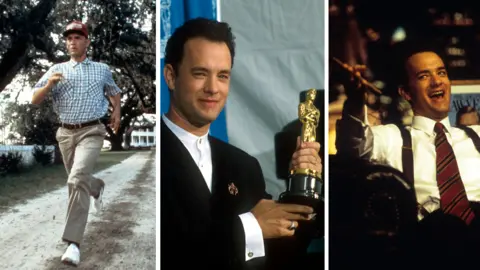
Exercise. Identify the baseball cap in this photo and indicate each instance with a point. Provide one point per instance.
(76, 27)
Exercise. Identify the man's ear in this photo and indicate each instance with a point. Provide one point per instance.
(404, 93)
(169, 75)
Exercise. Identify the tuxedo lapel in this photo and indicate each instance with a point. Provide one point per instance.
(221, 168)
(217, 165)
(226, 181)
(189, 180)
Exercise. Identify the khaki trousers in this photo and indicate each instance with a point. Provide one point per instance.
(80, 149)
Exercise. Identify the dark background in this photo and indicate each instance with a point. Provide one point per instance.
(458, 39)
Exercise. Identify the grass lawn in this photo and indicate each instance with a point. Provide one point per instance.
(17, 188)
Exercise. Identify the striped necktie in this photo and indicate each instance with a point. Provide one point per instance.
(453, 198)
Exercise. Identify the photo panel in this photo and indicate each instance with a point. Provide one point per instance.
(78, 134)
(241, 82)
(402, 74)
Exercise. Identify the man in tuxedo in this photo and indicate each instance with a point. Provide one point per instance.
(215, 212)
(444, 159)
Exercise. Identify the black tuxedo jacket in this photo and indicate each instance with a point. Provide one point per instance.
(200, 228)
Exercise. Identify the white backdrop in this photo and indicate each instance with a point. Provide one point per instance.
(280, 52)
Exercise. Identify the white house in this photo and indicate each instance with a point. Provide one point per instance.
(143, 132)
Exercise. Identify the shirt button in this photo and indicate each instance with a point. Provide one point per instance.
(250, 254)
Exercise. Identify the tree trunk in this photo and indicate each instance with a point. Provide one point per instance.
(128, 139)
(116, 142)
(57, 156)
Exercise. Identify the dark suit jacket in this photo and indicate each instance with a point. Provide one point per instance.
(202, 229)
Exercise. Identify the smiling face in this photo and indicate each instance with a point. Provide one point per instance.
(199, 90)
(428, 88)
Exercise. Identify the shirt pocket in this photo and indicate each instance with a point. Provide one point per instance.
(62, 91)
(62, 95)
(95, 89)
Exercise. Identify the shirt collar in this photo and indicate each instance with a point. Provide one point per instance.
(426, 124)
(181, 133)
(74, 63)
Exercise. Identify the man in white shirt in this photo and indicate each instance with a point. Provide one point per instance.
(214, 209)
(446, 183)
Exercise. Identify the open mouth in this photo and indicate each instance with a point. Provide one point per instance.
(437, 94)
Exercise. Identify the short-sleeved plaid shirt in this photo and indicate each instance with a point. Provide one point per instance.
(80, 96)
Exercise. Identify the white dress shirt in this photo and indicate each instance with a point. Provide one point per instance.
(387, 149)
(199, 148)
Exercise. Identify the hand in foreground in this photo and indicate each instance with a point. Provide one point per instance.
(306, 156)
(55, 78)
(275, 219)
(115, 120)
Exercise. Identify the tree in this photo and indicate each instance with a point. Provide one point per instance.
(131, 52)
(116, 39)
(36, 124)
(22, 26)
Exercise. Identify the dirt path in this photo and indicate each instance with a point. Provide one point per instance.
(121, 237)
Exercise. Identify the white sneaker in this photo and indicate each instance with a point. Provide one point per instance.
(72, 255)
(98, 203)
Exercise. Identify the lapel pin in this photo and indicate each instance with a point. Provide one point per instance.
(232, 189)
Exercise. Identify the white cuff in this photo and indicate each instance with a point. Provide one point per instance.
(365, 115)
(254, 246)
(364, 123)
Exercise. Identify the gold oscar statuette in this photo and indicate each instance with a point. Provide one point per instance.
(302, 183)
